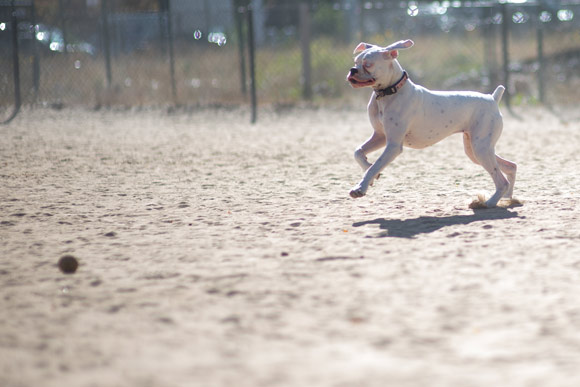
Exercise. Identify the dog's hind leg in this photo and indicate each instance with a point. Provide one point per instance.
(506, 166)
(479, 146)
(509, 169)
(468, 148)
(486, 157)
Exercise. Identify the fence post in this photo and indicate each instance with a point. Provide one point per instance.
(359, 7)
(540, 39)
(15, 61)
(252, 47)
(241, 45)
(305, 37)
(106, 42)
(489, 48)
(505, 51)
(63, 25)
(169, 27)
(35, 60)
(15, 57)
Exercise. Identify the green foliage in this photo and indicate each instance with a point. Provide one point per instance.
(327, 21)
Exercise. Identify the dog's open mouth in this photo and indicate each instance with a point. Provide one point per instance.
(358, 83)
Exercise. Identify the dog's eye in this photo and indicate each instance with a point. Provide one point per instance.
(367, 65)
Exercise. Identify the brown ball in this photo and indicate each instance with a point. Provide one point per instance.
(68, 264)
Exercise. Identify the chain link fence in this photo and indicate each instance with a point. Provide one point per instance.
(204, 52)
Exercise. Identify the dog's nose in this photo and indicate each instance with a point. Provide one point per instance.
(353, 71)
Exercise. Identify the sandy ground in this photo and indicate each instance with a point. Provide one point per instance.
(216, 253)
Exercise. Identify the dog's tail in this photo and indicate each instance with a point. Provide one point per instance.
(498, 93)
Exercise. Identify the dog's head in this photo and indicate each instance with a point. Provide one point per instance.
(375, 66)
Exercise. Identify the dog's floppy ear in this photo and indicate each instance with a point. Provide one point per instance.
(392, 50)
(361, 47)
(400, 45)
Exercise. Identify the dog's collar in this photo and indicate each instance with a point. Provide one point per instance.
(393, 88)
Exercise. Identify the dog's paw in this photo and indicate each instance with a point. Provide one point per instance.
(357, 192)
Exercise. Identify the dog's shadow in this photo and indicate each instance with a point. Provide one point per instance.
(410, 228)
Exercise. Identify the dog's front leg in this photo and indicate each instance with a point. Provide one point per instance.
(375, 142)
(392, 150)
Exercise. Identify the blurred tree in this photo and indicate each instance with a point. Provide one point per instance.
(326, 21)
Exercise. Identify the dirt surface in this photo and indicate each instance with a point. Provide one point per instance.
(216, 253)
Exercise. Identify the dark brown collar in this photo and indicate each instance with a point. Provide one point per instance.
(393, 88)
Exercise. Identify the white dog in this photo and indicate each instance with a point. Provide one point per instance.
(405, 114)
